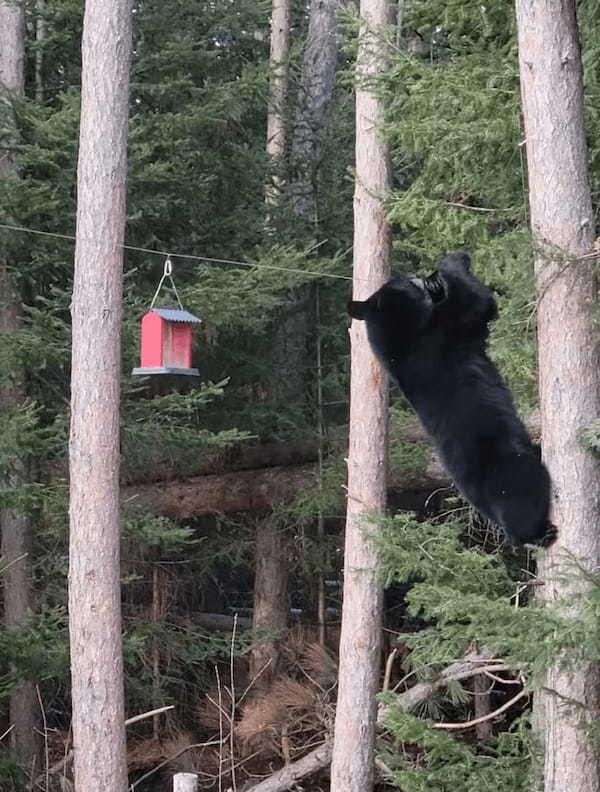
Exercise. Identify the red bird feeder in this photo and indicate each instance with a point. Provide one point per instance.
(166, 339)
(166, 342)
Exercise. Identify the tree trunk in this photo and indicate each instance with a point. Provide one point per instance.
(352, 767)
(562, 222)
(289, 334)
(94, 580)
(482, 706)
(12, 58)
(281, 15)
(271, 606)
(40, 36)
(314, 103)
(16, 528)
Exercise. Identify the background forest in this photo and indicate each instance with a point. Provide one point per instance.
(233, 486)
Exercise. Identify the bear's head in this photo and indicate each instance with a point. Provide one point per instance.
(396, 314)
(398, 294)
(405, 301)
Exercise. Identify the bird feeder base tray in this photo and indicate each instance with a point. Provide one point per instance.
(149, 371)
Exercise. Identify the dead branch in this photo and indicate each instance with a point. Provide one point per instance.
(458, 205)
(388, 669)
(501, 679)
(292, 773)
(467, 724)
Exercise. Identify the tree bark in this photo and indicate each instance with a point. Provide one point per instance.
(563, 227)
(289, 335)
(313, 106)
(352, 768)
(482, 706)
(16, 527)
(40, 37)
(281, 15)
(12, 58)
(94, 580)
(271, 605)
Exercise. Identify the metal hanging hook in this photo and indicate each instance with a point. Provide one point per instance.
(167, 273)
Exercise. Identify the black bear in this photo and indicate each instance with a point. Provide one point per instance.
(431, 335)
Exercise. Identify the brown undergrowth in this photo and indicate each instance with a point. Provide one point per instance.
(274, 723)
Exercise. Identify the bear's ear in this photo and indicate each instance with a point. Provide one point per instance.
(357, 309)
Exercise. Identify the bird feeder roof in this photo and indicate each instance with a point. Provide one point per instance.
(175, 315)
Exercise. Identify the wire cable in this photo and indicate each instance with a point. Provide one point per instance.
(188, 256)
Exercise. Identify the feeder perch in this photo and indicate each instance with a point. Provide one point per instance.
(166, 342)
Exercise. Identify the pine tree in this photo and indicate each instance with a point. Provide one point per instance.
(94, 496)
(563, 230)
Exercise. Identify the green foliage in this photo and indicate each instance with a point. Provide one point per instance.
(23, 434)
(169, 429)
(324, 496)
(197, 167)
(36, 650)
(590, 436)
(437, 762)
(465, 597)
(192, 654)
(150, 532)
(453, 121)
(462, 597)
(407, 458)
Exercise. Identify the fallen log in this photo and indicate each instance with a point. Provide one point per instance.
(259, 489)
(222, 493)
(222, 621)
(254, 490)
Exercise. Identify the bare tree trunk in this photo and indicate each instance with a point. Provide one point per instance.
(12, 54)
(321, 592)
(94, 579)
(314, 103)
(562, 223)
(281, 15)
(289, 333)
(40, 36)
(16, 528)
(158, 615)
(271, 605)
(482, 707)
(352, 767)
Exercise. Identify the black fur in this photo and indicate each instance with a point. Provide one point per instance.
(431, 334)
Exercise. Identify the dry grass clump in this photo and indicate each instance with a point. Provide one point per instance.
(296, 710)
